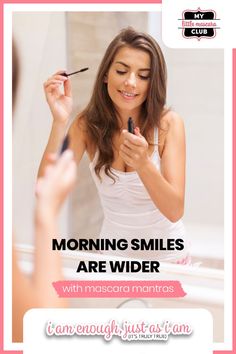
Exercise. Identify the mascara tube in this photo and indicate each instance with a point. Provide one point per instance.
(65, 145)
(130, 125)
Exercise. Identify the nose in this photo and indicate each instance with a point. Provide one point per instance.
(131, 80)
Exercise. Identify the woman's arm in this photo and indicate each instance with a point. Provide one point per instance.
(51, 191)
(165, 187)
(59, 98)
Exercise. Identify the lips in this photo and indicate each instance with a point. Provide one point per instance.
(128, 95)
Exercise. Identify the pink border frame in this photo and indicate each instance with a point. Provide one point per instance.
(1, 159)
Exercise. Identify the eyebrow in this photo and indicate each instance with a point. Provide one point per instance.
(127, 66)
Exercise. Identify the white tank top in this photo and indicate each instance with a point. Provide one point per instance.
(130, 213)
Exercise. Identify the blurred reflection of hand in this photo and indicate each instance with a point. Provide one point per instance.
(54, 186)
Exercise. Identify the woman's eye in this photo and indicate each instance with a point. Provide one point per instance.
(120, 72)
(144, 77)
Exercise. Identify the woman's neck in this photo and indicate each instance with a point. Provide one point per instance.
(124, 116)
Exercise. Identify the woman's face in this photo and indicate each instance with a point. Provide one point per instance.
(128, 79)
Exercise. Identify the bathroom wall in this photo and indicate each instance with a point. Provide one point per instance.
(41, 41)
(196, 91)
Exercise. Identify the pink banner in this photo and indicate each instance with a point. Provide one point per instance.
(119, 289)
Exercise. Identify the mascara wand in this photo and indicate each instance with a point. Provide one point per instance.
(75, 72)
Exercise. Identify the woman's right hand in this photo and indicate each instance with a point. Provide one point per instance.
(59, 100)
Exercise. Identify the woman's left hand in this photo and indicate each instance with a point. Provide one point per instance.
(53, 188)
(134, 150)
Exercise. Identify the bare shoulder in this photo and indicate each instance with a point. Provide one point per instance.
(78, 129)
(78, 137)
(78, 124)
(171, 129)
(171, 120)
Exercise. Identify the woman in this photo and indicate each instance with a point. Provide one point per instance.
(140, 177)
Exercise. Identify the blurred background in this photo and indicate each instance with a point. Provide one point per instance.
(48, 41)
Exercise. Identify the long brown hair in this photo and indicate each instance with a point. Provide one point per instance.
(100, 115)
